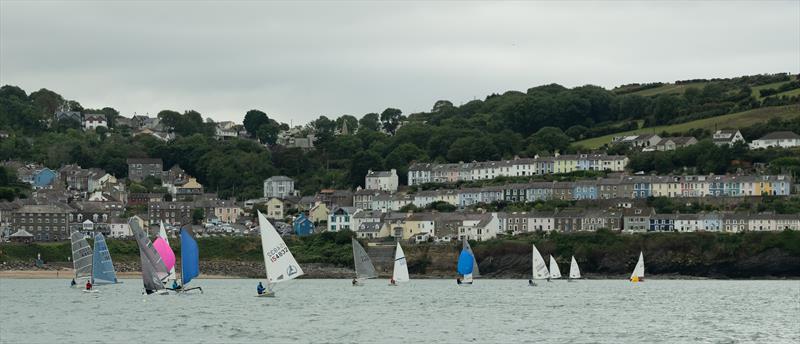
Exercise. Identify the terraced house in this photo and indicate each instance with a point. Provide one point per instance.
(421, 173)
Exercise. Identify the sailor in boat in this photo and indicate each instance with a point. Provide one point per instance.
(260, 288)
(392, 281)
(73, 283)
(458, 280)
(88, 285)
(530, 283)
(175, 285)
(548, 278)
(355, 282)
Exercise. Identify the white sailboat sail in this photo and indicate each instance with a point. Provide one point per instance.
(81, 257)
(162, 232)
(362, 263)
(638, 271)
(574, 271)
(400, 273)
(554, 271)
(539, 266)
(278, 260)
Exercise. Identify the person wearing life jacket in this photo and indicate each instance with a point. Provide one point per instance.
(260, 288)
(355, 281)
(73, 283)
(175, 285)
(392, 282)
(88, 285)
(458, 280)
(530, 282)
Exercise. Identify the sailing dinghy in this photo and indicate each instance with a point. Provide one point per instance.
(539, 267)
(81, 258)
(162, 245)
(467, 265)
(363, 265)
(190, 261)
(154, 272)
(638, 271)
(574, 271)
(400, 272)
(279, 262)
(102, 267)
(555, 273)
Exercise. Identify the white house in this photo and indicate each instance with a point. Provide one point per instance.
(381, 180)
(278, 186)
(94, 121)
(727, 137)
(341, 218)
(479, 227)
(783, 139)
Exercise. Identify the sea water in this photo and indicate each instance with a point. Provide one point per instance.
(421, 311)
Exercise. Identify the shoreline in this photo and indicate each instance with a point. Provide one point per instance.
(66, 274)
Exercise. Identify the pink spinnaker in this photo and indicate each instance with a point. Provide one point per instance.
(167, 256)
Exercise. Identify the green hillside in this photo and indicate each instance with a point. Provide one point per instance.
(735, 120)
(680, 88)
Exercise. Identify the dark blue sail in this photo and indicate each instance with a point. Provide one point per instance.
(190, 257)
(102, 266)
(465, 262)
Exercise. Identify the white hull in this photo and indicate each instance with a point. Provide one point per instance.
(91, 291)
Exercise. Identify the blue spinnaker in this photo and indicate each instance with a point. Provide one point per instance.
(190, 257)
(465, 262)
(102, 266)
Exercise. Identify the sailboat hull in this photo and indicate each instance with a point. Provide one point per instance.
(267, 294)
(91, 291)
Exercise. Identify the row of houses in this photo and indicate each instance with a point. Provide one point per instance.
(654, 142)
(436, 226)
(421, 173)
(622, 187)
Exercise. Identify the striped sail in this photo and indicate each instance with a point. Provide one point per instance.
(102, 266)
(81, 256)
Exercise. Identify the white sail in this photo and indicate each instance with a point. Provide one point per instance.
(400, 273)
(163, 234)
(538, 265)
(278, 260)
(574, 271)
(554, 271)
(475, 271)
(638, 271)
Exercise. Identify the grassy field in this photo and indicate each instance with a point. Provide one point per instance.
(735, 120)
(756, 89)
(669, 88)
(674, 88)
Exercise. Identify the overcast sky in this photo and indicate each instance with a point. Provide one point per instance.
(299, 60)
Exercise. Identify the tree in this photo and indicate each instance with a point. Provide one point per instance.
(370, 121)
(253, 120)
(441, 105)
(361, 163)
(198, 214)
(352, 123)
(391, 119)
(548, 139)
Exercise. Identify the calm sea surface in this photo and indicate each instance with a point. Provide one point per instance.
(423, 311)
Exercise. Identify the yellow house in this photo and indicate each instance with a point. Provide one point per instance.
(274, 209)
(418, 223)
(564, 165)
(318, 213)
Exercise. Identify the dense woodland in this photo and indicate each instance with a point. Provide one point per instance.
(542, 120)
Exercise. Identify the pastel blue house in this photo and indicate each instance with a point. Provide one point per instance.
(643, 189)
(585, 190)
(43, 177)
(303, 226)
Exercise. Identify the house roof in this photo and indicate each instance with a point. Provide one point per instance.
(21, 234)
(781, 135)
(144, 161)
(370, 227)
(279, 179)
(41, 209)
(380, 173)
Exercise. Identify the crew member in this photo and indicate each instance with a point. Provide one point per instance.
(260, 288)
